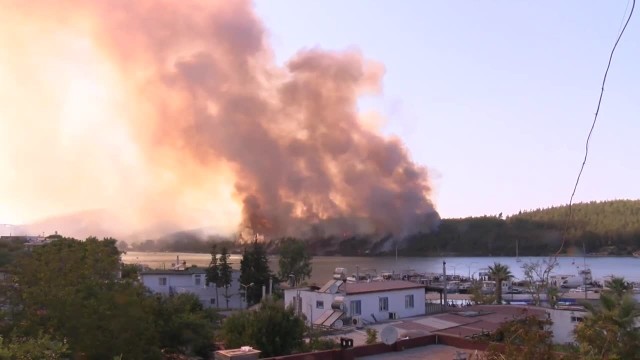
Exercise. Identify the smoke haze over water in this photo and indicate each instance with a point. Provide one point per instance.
(173, 114)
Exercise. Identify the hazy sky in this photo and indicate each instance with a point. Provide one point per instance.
(495, 98)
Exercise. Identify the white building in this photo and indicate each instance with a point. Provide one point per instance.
(193, 280)
(564, 322)
(339, 303)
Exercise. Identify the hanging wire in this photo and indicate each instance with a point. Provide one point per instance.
(593, 125)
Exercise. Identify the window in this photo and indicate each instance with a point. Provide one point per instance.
(319, 304)
(198, 280)
(356, 307)
(162, 281)
(576, 319)
(408, 301)
(212, 301)
(383, 303)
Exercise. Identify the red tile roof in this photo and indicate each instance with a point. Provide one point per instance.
(380, 286)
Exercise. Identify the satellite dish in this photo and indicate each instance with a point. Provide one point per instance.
(389, 335)
(338, 324)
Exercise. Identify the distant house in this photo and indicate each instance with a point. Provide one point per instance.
(193, 280)
(339, 303)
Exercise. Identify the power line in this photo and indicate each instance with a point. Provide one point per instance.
(593, 125)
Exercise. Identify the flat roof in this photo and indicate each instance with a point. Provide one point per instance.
(379, 286)
(187, 271)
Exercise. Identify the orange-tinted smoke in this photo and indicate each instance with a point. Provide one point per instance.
(172, 114)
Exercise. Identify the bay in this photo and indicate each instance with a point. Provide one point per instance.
(323, 266)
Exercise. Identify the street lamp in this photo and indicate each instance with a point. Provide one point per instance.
(246, 287)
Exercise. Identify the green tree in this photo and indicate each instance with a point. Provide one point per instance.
(130, 271)
(609, 330)
(618, 286)
(527, 337)
(254, 271)
(185, 326)
(372, 336)
(70, 288)
(536, 274)
(499, 273)
(478, 297)
(272, 329)
(294, 260)
(213, 271)
(41, 347)
(226, 272)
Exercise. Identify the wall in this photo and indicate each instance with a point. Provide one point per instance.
(370, 304)
(563, 324)
(309, 299)
(375, 349)
(185, 283)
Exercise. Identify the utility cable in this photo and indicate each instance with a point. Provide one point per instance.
(593, 125)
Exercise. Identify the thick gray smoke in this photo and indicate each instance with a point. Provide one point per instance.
(209, 121)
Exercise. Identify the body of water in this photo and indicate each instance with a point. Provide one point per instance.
(323, 266)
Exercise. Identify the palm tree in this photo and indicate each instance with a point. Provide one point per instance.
(499, 273)
(618, 286)
(609, 330)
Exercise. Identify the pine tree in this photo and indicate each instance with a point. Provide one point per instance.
(225, 273)
(254, 272)
(213, 271)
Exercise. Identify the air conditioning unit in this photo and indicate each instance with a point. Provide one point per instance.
(393, 315)
(356, 321)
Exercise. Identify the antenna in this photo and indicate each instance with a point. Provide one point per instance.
(389, 335)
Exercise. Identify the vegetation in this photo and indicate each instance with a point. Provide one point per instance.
(68, 298)
(603, 228)
(294, 260)
(606, 228)
(254, 272)
(372, 336)
(478, 297)
(537, 274)
(272, 329)
(183, 242)
(609, 331)
(213, 271)
(499, 273)
(41, 347)
(225, 272)
(527, 337)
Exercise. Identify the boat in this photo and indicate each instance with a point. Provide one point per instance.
(517, 254)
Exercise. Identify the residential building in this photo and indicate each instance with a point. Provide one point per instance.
(193, 280)
(339, 303)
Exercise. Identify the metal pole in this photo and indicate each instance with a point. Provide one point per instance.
(444, 284)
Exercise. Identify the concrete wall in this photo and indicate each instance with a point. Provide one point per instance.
(564, 322)
(186, 283)
(369, 303)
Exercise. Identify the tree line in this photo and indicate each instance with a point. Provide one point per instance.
(606, 228)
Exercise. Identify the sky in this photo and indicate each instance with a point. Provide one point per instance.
(495, 98)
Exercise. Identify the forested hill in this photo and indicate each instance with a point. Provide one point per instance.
(605, 228)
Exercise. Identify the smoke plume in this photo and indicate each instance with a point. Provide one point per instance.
(173, 114)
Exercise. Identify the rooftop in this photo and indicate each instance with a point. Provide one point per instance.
(188, 271)
(380, 286)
